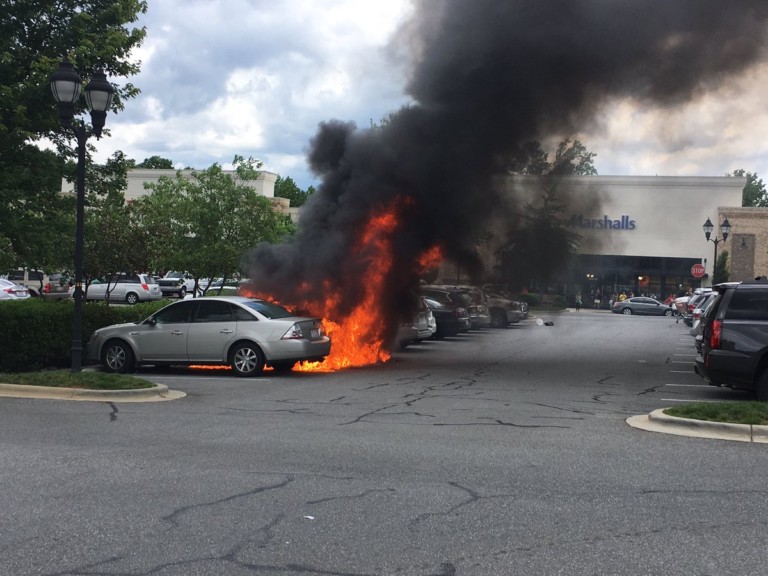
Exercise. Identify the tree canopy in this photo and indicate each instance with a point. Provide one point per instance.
(287, 188)
(34, 37)
(571, 158)
(205, 223)
(754, 193)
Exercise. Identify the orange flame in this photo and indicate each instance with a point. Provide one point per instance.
(357, 336)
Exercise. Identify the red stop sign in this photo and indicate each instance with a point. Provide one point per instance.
(697, 270)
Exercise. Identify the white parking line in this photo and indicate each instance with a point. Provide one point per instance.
(682, 362)
(682, 372)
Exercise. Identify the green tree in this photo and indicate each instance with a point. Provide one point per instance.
(114, 242)
(156, 162)
(721, 272)
(287, 188)
(754, 193)
(34, 36)
(208, 221)
(539, 245)
(571, 158)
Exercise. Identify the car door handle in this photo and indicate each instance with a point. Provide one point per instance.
(227, 331)
(177, 333)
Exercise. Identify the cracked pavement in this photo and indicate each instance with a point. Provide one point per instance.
(498, 452)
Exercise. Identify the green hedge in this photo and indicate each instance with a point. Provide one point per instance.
(38, 334)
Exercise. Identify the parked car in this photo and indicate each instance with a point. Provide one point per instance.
(176, 283)
(52, 286)
(125, 287)
(450, 297)
(477, 304)
(503, 309)
(698, 312)
(242, 332)
(642, 305)
(11, 291)
(450, 319)
(421, 327)
(734, 344)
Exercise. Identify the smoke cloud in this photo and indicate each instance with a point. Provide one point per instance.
(486, 77)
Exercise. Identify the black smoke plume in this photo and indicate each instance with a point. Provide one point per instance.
(486, 77)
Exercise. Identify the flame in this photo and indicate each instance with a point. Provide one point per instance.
(431, 258)
(357, 336)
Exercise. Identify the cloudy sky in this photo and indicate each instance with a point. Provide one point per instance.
(256, 77)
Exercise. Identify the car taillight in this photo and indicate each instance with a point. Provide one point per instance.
(145, 286)
(294, 333)
(47, 288)
(715, 334)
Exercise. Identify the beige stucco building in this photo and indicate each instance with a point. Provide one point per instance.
(139, 178)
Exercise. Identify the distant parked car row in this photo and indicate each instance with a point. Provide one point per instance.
(483, 307)
(53, 286)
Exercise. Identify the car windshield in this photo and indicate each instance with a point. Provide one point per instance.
(268, 309)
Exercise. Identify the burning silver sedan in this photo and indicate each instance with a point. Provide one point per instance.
(244, 333)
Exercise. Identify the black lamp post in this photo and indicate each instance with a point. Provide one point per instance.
(725, 229)
(66, 85)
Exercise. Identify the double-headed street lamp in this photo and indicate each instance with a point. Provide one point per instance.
(66, 85)
(725, 229)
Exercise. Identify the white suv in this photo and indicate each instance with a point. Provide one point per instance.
(130, 288)
(177, 283)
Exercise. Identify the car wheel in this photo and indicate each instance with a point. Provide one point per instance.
(627, 311)
(246, 360)
(283, 366)
(668, 312)
(182, 292)
(131, 298)
(117, 356)
(498, 319)
(761, 387)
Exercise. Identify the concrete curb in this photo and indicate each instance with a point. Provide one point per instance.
(658, 421)
(158, 393)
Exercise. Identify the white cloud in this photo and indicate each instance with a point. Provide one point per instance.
(256, 77)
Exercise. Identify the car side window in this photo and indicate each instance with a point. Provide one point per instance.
(175, 314)
(213, 311)
(242, 315)
(748, 305)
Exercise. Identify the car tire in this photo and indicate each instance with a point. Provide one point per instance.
(246, 360)
(182, 292)
(498, 319)
(761, 387)
(627, 311)
(668, 313)
(283, 366)
(117, 357)
(132, 298)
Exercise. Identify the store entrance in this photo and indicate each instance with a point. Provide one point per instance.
(599, 279)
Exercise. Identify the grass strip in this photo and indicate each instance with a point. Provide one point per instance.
(88, 380)
(751, 412)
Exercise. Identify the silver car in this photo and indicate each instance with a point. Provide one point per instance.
(244, 333)
(130, 288)
(12, 291)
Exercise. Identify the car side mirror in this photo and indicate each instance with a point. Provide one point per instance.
(152, 321)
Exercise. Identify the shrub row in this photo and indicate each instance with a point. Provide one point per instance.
(38, 333)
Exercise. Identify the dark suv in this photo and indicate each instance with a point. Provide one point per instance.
(734, 342)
